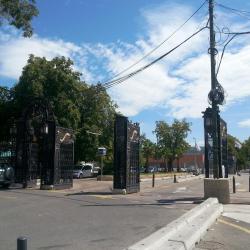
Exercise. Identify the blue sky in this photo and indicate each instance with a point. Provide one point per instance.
(103, 37)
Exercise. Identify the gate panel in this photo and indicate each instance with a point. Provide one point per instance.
(133, 171)
(120, 152)
(64, 158)
(43, 150)
(222, 144)
(126, 155)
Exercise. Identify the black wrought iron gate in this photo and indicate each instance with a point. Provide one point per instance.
(40, 148)
(126, 155)
(222, 145)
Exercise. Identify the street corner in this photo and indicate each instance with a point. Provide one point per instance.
(226, 233)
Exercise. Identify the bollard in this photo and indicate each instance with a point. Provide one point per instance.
(175, 181)
(22, 243)
(153, 180)
(234, 190)
(249, 183)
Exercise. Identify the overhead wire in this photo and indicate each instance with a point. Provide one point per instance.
(158, 46)
(232, 9)
(241, 13)
(122, 79)
(234, 34)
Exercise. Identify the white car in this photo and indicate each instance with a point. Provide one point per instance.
(85, 170)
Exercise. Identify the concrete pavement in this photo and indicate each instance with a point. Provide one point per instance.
(232, 229)
(91, 217)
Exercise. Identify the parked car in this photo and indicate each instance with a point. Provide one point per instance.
(6, 175)
(183, 169)
(85, 170)
(152, 169)
(196, 171)
(142, 170)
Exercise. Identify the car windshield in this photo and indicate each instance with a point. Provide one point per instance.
(3, 165)
(78, 167)
(86, 167)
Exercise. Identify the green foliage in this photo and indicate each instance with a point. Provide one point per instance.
(5, 111)
(171, 142)
(97, 116)
(148, 149)
(244, 154)
(231, 145)
(55, 81)
(18, 13)
(75, 104)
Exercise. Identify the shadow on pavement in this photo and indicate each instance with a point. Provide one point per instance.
(91, 193)
(185, 200)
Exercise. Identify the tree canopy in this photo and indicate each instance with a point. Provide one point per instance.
(75, 104)
(171, 143)
(148, 150)
(18, 13)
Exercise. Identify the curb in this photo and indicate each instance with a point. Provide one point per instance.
(186, 231)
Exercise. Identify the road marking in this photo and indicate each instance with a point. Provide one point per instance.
(103, 196)
(179, 190)
(235, 226)
(241, 190)
(8, 197)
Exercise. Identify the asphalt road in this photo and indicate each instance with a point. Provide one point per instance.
(89, 219)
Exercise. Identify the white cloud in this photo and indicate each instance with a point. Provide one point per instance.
(179, 83)
(244, 123)
(15, 50)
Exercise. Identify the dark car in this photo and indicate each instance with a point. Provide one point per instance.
(6, 175)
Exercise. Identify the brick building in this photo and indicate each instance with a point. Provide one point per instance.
(188, 160)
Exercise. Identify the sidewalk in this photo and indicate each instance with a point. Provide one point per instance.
(232, 229)
(91, 185)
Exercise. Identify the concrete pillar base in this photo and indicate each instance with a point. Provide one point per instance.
(47, 187)
(119, 191)
(218, 188)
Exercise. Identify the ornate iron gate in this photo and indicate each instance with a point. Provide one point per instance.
(64, 157)
(126, 155)
(222, 144)
(39, 148)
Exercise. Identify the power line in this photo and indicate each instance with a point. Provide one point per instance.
(241, 13)
(159, 45)
(222, 54)
(124, 78)
(232, 9)
(224, 48)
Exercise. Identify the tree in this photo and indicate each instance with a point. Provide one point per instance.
(55, 81)
(244, 154)
(5, 113)
(171, 142)
(97, 116)
(239, 153)
(18, 13)
(147, 150)
(75, 104)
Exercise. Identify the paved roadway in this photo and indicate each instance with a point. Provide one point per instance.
(90, 217)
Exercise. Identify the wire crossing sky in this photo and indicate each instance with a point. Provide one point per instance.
(117, 40)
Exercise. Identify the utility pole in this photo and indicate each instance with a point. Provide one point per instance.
(215, 108)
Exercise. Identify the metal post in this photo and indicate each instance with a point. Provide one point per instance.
(175, 181)
(234, 189)
(22, 243)
(101, 167)
(215, 109)
(249, 183)
(153, 180)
